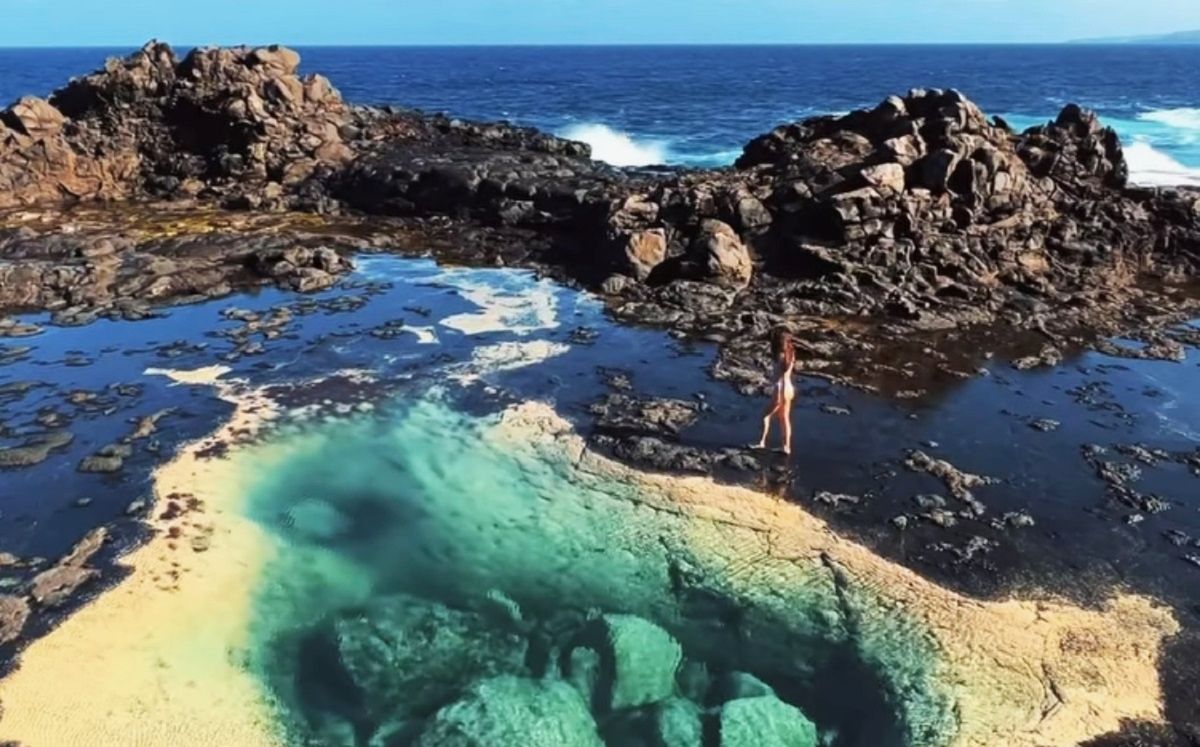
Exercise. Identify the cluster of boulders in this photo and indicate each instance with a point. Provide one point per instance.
(921, 210)
(238, 125)
(407, 670)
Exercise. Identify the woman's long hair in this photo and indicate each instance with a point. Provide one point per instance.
(782, 348)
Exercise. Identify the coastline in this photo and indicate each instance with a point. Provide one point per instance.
(711, 256)
(167, 646)
(1014, 667)
(155, 660)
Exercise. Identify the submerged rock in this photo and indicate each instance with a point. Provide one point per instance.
(765, 722)
(510, 711)
(409, 656)
(638, 661)
(35, 450)
(107, 459)
(678, 724)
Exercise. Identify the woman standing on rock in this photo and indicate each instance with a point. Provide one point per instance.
(783, 357)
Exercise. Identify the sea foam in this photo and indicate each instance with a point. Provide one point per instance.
(617, 148)
(1180, 119)
(1150, 167)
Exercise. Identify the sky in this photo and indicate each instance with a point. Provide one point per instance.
(403, 22)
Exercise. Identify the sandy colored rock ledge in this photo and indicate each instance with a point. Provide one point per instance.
(1030, 672)
(166, 651)
(154, 661)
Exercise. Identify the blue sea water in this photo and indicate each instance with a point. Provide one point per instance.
(699, 105)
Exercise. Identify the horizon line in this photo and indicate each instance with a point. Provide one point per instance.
(569, 45)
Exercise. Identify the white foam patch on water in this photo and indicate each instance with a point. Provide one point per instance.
(508, 356)
(520, 306)
(206, 376)
(425, 335)
(1150, 167)
(1182, 118)
(617, 148)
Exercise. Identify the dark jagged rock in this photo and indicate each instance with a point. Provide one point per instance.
(14, 611)
(921, 211)
(621, 413)
(52, 587)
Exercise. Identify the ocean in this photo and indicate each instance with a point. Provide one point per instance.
(697, 105)
(374, 514)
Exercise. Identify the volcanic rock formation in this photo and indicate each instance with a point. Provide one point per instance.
(921, 211)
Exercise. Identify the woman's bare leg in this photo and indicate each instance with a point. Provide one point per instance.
(786, 417)
(770, 413)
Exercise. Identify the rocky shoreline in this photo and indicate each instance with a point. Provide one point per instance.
(921, 216)
(893, 240)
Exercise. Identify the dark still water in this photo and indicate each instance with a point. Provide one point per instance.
(698, 105)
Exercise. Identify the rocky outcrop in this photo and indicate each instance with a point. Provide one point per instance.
(222, 123)
(300, 268)
(921, 210)
(14, 612)
(53, 586)
(121, 272)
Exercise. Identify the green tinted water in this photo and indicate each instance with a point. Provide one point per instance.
(439, 584)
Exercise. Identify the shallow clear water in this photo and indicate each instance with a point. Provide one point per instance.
(700, 105)
(423, 510)
(422, 516)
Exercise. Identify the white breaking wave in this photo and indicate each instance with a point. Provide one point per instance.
(1149, 167)
(1182, 119)
(617, 148)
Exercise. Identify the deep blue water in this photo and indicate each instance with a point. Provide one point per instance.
(698, 105)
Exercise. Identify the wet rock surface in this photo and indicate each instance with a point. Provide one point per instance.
(55, 585)
(921, 211)
(891, 240)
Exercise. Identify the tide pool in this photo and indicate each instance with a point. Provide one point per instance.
(381, 538)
